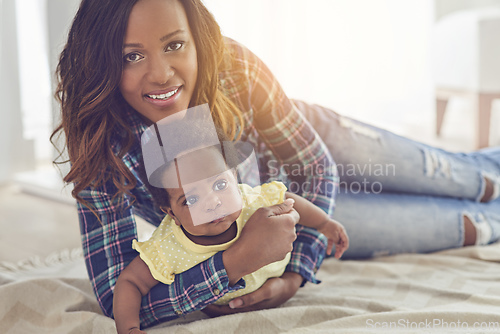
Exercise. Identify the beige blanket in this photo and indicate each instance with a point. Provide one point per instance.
(456, 291)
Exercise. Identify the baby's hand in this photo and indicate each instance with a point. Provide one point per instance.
(336, 235)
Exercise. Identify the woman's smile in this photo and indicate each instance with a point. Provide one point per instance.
(164, 98)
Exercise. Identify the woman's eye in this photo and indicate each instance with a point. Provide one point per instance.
(174, 46)
(220, 185)
(191, 200)
(132, 57)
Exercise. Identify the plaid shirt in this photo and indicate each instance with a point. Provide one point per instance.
(287, 148)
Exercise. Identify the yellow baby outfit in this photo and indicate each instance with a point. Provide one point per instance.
(169, 251)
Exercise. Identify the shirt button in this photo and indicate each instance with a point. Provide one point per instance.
(179, 312)
(216, 292)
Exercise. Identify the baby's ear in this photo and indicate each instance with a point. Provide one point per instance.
(177, 221)
(171, 214)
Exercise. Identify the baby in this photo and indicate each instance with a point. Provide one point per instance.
(206, 214)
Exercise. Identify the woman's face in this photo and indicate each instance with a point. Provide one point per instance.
(159, 55)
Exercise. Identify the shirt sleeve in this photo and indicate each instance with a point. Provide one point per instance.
(298, 149)
(107, 247)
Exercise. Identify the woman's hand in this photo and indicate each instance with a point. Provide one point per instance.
(267, 237)
(274, 292)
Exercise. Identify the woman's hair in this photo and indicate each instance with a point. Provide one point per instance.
(93, 109)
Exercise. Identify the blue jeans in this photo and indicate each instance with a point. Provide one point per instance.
(397, 195)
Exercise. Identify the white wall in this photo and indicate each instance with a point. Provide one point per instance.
(364, 58)
(60, 14)
(16, 154)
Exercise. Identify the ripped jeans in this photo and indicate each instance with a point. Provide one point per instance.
(400, 196)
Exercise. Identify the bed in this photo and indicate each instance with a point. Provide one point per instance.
(453, 291)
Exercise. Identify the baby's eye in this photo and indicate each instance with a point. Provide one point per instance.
(174, 46)
(191, 200)
(220, 184)
(132, 57)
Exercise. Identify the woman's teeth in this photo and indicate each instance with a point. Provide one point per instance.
(163, 96)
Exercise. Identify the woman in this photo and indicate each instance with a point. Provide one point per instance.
(130, 63)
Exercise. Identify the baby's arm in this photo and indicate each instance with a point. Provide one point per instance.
(312, 216)
(134, 282)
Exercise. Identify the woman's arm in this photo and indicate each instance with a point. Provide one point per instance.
(274, 292)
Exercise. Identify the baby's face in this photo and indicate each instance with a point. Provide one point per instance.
(207, 207)
(208, 200)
